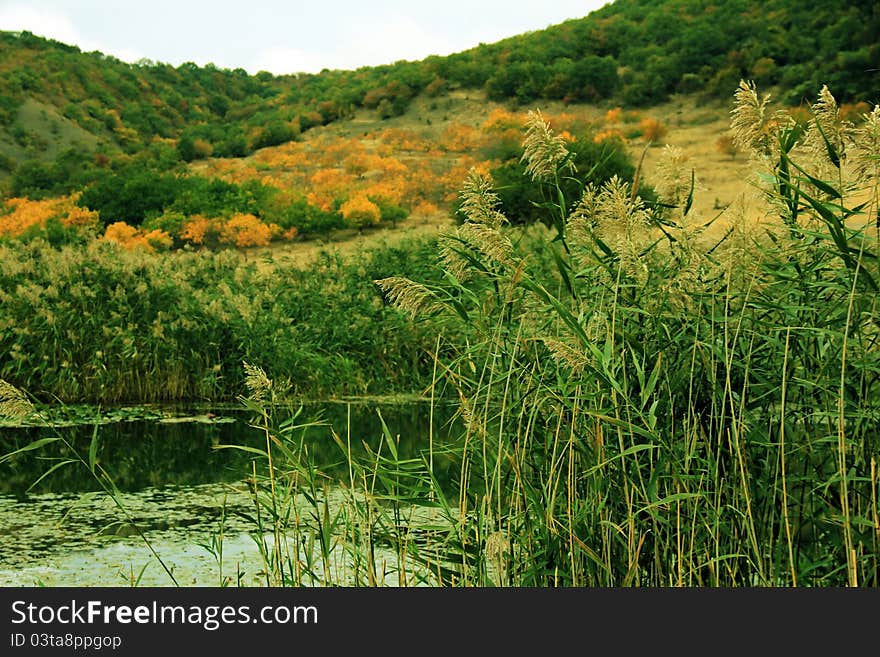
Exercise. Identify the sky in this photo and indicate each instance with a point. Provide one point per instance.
(283, 37)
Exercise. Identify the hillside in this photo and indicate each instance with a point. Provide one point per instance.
(90, 140)
(631, 52)
(622, 303)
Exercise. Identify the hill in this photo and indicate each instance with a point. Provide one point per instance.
(631, 52)
(119, 136)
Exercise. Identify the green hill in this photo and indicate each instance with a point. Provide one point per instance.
(64, 112)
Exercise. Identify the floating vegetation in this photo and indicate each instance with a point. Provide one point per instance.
(85, 415)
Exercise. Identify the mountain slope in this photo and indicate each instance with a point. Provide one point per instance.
(64, 112)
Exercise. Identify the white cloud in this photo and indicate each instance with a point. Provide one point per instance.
(280, 60)
(398, 38)
(53, 24)
(365, 44)
(39, 20)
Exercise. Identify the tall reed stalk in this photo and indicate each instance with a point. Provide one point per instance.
(645, 406)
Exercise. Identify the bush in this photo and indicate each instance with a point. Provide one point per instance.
(274, 133)
(389, 211)
(360, 211)
(35, 179)
(306, 219)
(131, 196)
(244, 230)
(137, 194)
(524, 200)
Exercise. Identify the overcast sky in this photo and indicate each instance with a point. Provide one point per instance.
(283, 37)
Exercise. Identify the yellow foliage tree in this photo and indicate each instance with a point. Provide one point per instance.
(23, 214)
(614, 115)
(78, 217)
(652, 129)
(245, 230)
(608, 133)
(500, 120)
(458, 138)
(385, 191)
(130, 237)
(726, 146)
(197, 229)
(359, 211)
(202, 149)
(425, 209)
(158, 240)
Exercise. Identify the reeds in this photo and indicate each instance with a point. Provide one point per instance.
(656, 411)
(101, 324)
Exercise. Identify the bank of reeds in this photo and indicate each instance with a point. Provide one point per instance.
(101, 324)
(644, 406)
(664, 409)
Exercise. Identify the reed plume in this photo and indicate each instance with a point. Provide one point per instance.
(14, 403)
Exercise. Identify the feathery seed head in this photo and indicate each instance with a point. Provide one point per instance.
(827, 124)
(865, 151)
(497, 551)
(479, 202)
(748, 121)
(584, 218)
(13, 402)
(407, 295)
(258, 384)
(569, 356)
(616, 205)
(543, 152)
(588, 206)
(451, 257)
(489, 241)
(631, 261)
(674, 177)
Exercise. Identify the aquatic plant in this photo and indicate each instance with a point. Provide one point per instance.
(663, 408)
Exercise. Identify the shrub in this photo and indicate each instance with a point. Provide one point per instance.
(523, 200)
(244, 230)
(131, 195)
(359, 211)
(652, 130)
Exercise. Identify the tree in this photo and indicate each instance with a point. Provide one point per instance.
(521, 197)
(359, 211)
(130, 196)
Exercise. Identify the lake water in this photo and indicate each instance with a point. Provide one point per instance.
(176, 489)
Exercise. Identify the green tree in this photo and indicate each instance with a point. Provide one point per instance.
(131, 196)
(523, 200)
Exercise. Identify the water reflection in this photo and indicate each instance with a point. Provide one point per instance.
(175, 486)
(180, 449)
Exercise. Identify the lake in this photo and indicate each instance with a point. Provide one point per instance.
(178, 490)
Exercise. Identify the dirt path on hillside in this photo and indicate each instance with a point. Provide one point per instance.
(348, 242)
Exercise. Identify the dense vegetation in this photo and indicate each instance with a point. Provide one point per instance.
(639, 407)
(310, 187)
(100, 323)
(634, 52)
(643, 404)
(649, 408)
